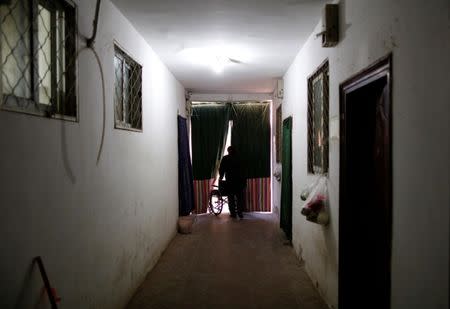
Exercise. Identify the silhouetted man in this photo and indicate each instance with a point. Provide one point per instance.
(230, 167)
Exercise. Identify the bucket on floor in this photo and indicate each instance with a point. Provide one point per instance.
(185, 224)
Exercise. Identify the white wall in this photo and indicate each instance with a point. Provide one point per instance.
(99, 228)
(417, 33)
(276, 166)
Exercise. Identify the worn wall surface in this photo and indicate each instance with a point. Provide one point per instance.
(99, 228)
(417, 34)
(276, 166)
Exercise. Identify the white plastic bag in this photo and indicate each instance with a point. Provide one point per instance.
(277, 173)
(316, 206)
(305, 193)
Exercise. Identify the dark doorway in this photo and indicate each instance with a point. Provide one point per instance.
(286, 179)
(365, 211)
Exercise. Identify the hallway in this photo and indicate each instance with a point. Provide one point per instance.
(228, 263)
(113, 120)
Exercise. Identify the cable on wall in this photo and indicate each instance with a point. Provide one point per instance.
(102, 76)
(90, 46)
(90, 41)
(102, 139)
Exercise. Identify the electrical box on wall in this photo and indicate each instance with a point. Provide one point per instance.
(330, 25)
(280, 89)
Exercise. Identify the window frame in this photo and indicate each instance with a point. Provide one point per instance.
(125, 58)
(322, 74)
(33, 105)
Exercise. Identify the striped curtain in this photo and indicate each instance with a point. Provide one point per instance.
(258, 194)
(201, 194)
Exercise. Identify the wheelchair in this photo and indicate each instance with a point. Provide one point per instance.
(218, 198)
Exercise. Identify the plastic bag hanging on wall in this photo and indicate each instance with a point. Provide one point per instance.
(305, 193)
(316, 206)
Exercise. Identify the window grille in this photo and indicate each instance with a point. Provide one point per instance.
(318, 116)
(128, 92)
(38, 53)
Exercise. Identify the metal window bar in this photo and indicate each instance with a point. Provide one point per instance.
(128, 92)
(38, 51)
(318, 120)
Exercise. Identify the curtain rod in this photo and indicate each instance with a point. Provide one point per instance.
(228, 102)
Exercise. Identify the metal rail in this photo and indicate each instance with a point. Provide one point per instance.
(51, 297)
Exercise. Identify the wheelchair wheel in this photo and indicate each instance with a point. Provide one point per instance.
(215, 202)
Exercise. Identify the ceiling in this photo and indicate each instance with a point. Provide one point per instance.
(262, 37)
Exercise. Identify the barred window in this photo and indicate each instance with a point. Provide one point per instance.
(318, 110)
(128, 92)
(38, 49)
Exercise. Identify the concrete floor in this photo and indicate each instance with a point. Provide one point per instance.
(229, 263)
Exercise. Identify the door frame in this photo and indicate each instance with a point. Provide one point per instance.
(287, 229)
(381, 68)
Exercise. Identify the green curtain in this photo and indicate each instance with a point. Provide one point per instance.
(209, 132)
(251, 138)
(286, 179)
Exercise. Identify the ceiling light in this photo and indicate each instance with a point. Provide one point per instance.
(215, 58)
(219, 64)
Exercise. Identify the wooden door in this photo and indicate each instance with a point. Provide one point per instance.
(365, 210)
